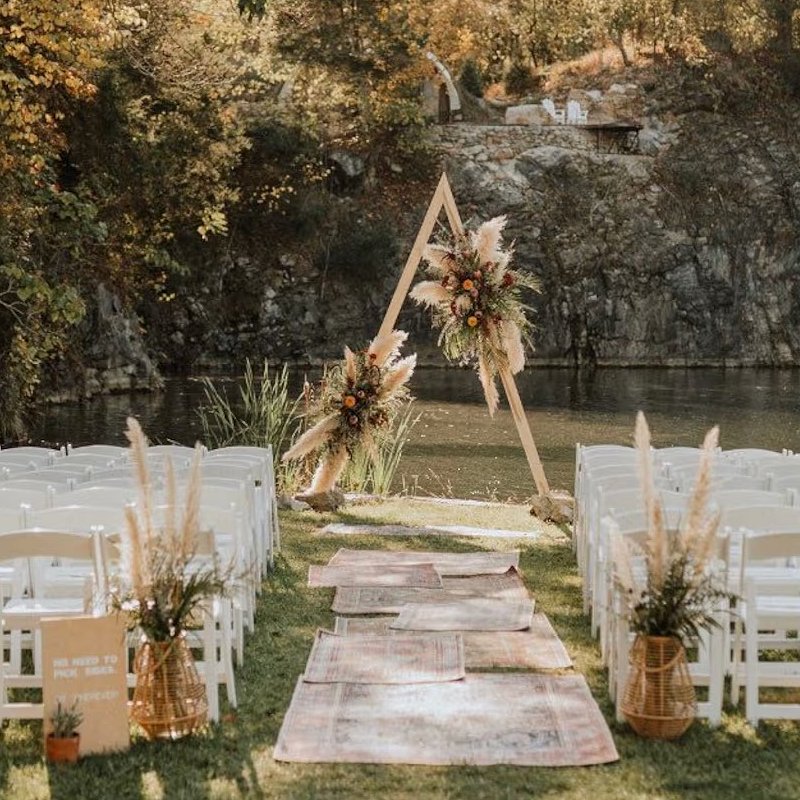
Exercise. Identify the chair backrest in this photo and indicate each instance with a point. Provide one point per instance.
(37, 452)
(94, 460)
(79, 518)
(63, 471)
(746, 498)
(37, 484)
(35, 498)
(787, 480)
(38, 542)
(19, 461)
(762, 518)
(756, 483)
(636, 519)
(763, 546)
(549, 106)
(109, 450)
(12, 519)
(106, 496)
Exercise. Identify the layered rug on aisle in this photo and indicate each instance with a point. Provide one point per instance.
(521, 719)
(537, 648)
(427, 658)
(391, 600)
(345, 529)
(421, 576)
(467, 614)
(479, 563)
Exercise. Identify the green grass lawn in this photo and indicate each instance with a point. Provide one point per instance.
(234, 759)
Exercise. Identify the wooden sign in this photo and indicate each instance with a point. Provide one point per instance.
(84, 659)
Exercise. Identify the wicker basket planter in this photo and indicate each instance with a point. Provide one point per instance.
(169, 700)
(659, 700)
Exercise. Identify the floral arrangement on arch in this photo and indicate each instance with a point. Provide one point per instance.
(355, 406)
(476, 301)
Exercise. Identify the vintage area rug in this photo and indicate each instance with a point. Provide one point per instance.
(466, 614)
(343, 529)
(478, 563)
(409, 575)
(537, 648)
(389, 600)
(385, 659)
(527, 720)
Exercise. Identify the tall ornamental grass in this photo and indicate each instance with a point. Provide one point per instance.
(263, 414)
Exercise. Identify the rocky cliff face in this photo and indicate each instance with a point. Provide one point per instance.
(687, 254)
(685, 251)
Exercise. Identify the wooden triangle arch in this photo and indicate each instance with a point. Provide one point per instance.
(443, 198)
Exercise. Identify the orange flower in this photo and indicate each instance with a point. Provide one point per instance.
(472, 321)
(349, 401)
(467, 285)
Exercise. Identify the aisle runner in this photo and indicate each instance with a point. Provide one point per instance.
(468, 614)
(528, 720)
(537, 648)
(385, 659)
(343, 529)
(386, 600)
(414, 575)
(445, 563)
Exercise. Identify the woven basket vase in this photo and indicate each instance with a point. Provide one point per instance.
(169, 700)
(659, 700)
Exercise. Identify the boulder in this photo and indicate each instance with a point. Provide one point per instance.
(530, 114)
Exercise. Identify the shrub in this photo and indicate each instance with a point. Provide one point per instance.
(264, 413)
(471, 78)
(520, 80)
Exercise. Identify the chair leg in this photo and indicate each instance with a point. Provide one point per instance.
(716, 675)
(751, 672)
(210, 665)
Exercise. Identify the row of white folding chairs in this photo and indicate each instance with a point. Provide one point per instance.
(761, 546)
(253, 465)
(37, 485)
(624, 511)
(614, 467)
(65, 585)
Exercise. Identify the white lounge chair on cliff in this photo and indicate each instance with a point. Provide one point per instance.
(575, 114)
(556, 113)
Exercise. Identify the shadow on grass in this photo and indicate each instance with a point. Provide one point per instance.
(234, 758)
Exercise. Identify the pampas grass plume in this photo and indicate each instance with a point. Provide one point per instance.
(328, 471)
(385, 348)
(486, 240)
(313, 438)
(399, 376)
(430, 293)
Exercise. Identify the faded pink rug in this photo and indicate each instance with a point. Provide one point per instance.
(409, 575)
(389, 600)
(385, 659)
(537, 648)
(476, 563)
(466, 614)
(527, 720)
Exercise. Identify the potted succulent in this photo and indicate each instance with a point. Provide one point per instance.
(63, 741)
(677, 601)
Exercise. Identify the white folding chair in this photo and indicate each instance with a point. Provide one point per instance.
(772, 602)
(33, 498)
(26, 613)
(556, 113)
(108, 450)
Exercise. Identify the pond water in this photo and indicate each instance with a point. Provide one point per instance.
(456, 448)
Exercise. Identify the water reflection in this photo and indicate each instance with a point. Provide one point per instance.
(457, 447)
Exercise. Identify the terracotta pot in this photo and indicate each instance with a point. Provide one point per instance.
(659, 700)
(63, 749)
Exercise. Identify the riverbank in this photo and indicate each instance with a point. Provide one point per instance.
(234, 760)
